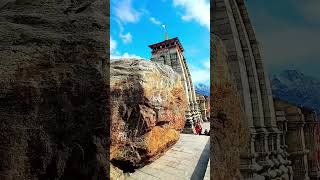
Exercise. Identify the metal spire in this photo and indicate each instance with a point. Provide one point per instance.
(166, 34)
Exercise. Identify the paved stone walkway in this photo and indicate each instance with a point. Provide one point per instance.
(207, 175)
(187, 159)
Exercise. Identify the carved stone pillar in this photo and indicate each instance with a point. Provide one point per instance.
(293, 122)
(188, 127)
(202, 106)
(310, 142)
(249, 168)
(282, 156)
(207, 99)
(197, 114)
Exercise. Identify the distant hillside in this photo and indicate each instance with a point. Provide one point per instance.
(202, 89)
(297, 88)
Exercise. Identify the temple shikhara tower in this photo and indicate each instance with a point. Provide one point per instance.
(170, 52)
(281, 144)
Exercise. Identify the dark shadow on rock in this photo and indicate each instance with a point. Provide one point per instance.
(54, 113)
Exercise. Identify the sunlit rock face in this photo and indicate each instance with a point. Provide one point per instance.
(148, 111)
(229, 127)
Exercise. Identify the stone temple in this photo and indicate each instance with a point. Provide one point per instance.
(204, 105)
(170, 52)
(281, 143)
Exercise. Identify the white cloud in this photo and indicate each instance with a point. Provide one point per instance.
(198, 10)
(114, 54)
(125, 55)
(154, 21)
(201, 74)
(125, 12)
(113, 45)
(206, 64)
(126, 38)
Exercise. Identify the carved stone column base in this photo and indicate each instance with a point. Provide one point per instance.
(188, 127)
(188, 131)
(258, 177)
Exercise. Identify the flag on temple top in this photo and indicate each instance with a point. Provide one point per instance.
(164, 26)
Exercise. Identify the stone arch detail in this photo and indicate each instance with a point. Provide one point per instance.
(264, 83)
(253, 81)
(224, 26)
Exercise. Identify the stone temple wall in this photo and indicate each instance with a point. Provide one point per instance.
(282, 136)
(298, 127)
(231, 23)
(173, 57)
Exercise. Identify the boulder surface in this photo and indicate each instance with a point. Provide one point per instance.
(148, 111)
(53, 100)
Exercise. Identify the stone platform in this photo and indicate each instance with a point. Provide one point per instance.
(187, 159)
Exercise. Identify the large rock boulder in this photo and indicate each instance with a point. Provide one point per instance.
(230, 130)
(53, 97)
(148, 111)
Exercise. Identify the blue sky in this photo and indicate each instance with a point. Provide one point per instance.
(289, 32)
(135, 24)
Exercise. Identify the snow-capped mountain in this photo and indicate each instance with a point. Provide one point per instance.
(202, 89)
(297, 88)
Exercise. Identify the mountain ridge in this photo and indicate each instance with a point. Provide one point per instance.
(202, 89)
(297, 88)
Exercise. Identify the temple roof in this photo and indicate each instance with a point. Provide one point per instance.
(174, 42)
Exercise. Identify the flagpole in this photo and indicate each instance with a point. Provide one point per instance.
(165, 32)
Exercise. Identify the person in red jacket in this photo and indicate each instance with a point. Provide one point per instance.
(197, 128)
